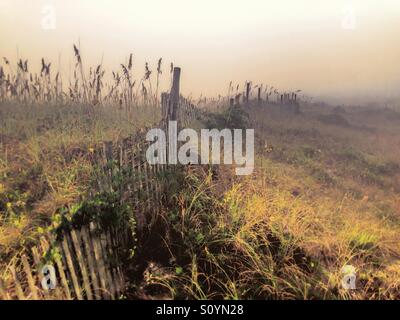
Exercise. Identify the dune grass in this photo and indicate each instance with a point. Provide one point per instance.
(44, 164)
(48, 126)
(324, 193)
(321, 199)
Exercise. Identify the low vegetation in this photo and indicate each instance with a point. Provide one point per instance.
(320, 200)
(324, 193)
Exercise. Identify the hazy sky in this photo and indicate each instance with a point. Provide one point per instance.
(324, 47)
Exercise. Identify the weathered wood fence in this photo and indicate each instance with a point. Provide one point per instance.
(85, 262)
(88, 261)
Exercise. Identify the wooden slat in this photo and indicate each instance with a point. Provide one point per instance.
(118, 281)
(29, 276)
(76, 240)
(38, 266)
(141, 218)
(147, 187)
(60, 292)
(121, 155)
(114, 265)
(115, 241)
(18, 288)
(156, 172)
(134, 184)
(63, 277)
(71, 268)
(107, 158)
(56, 292)
(139, 180)
(151, 173)
(99, 261)
(157, 188)
(110, 280)
(154, 182)
(91, 262)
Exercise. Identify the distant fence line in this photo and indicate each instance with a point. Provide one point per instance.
(87, 261)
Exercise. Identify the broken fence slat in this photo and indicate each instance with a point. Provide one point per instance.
(91, 262)
(99, 261)
(30, 278)
(71, 267)
(76, 240)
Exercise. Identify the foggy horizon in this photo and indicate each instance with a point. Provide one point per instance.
(342, 52)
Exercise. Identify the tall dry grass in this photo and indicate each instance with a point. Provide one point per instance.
(48, 126)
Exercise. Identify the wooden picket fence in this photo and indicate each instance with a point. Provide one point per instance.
(89, 262)
(86, 264)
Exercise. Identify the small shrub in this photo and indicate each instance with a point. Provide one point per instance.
(235, 117)
(334, 119)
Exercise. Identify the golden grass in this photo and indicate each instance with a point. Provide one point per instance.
(44, 162)
(324, 195)
(287, 231)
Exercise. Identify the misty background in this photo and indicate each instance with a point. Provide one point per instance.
(341, 51)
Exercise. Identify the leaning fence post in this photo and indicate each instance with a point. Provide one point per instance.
(237, 99)
(164, 105)
(174, 96)
(107, 151)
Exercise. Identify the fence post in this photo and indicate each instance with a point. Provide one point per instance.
(247, 92)
(174, 96)
(237, 99)
(107, 151)
(164, 105)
